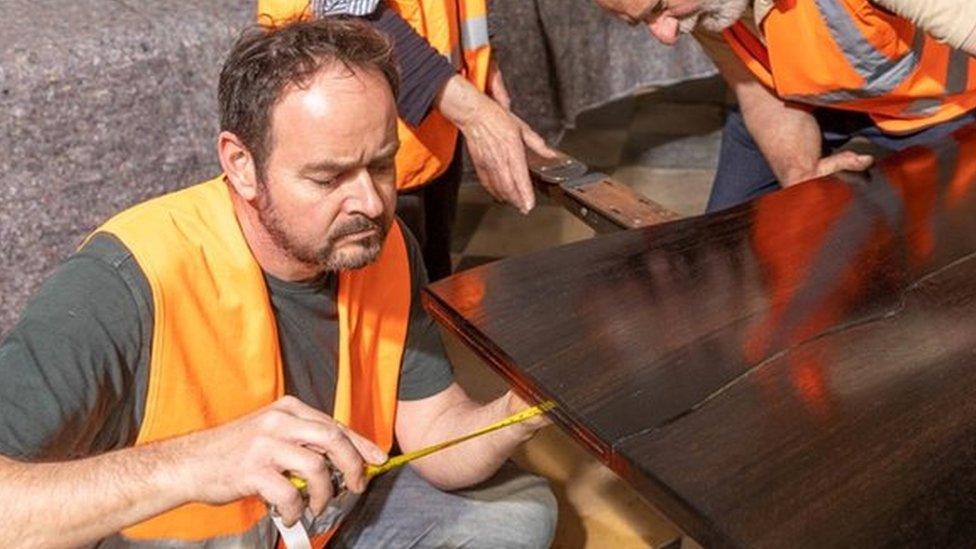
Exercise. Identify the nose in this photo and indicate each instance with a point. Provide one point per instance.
(364, 198)
(665, 29)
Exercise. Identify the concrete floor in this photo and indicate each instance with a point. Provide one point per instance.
(663, 143)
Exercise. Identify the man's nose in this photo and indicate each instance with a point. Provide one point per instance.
(665, 29)
(364, 198)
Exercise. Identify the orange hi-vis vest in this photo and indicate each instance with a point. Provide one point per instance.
(458, 29)
(215, 354)
(849, 54)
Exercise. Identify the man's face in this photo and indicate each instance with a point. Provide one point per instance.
(327, 195)
(667, 18)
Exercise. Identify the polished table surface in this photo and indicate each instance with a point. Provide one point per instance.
(797, 371)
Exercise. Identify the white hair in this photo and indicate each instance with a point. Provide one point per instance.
(715, 15)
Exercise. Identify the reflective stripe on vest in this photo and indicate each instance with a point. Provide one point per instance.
(458, 29)
(215, 354)
(848, 54)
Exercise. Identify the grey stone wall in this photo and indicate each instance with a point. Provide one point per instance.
(103, 103)
(562, 57)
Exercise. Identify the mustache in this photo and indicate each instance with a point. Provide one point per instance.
(355, 225)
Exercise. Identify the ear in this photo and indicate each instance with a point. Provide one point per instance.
(238, 165)
(665, 28)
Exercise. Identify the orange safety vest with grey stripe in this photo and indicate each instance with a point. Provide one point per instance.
(851, 55)
(458, 29)
(215, 354)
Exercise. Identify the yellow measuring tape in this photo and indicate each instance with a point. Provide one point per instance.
(396, 461)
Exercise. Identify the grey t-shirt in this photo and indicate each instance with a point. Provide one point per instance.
(74, 370)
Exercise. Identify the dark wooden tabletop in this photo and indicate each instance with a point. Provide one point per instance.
(797, 371)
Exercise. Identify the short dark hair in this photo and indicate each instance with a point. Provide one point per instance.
(265, 60)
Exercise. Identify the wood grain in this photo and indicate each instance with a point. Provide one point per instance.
(792, 372)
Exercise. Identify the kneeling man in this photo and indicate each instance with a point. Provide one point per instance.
(205, 344)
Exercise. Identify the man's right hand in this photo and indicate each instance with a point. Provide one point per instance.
(252, 456)
(844, 161)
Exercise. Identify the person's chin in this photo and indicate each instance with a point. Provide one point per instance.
(355, 255)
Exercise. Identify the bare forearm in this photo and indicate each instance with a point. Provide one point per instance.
(788, 137)
(459, 101)
(477, 459)
(79, 502)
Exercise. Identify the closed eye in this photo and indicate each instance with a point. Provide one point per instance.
(325, 182)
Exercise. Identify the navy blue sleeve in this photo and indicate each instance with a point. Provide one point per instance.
(423, 71)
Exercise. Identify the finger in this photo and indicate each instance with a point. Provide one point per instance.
(366, 448)
(370, 451)
(486, 182)
(521, 180)
(312, 467)
(844, 161)
(275, 489)
(297, 408)
(536, 143)
(324, 437)
(345, 457)
(508, 166)
(486, 173)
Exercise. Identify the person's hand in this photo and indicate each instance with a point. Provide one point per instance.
(496, 87)
(848, 161)
(252, 455)
(516, 404)
(496, 140)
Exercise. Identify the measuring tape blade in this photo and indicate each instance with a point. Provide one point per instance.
(403, 459)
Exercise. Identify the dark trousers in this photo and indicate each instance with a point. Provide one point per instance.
(429, 213)
(743, 173)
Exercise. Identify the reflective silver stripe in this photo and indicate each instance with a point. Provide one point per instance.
(922, 107)
(262, 534)
(474, 33)
(321, 8)
(957, 77)
(881, 75)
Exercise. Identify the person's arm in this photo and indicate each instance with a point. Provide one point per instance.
(423, 71)
(431, 408)
(450, 414)
(98, 496)
(949, 21)
(788, 135)
(67, 384)
(496, 140)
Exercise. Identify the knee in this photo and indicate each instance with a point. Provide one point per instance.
(524, 517)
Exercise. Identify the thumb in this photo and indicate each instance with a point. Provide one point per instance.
(370, 452)
(535, 142)
(844, 161)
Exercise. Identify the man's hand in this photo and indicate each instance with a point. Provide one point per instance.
(252, 455)
(496, 86)
(515, 404)
(828, 165)
(496, 140)
(450, 414)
